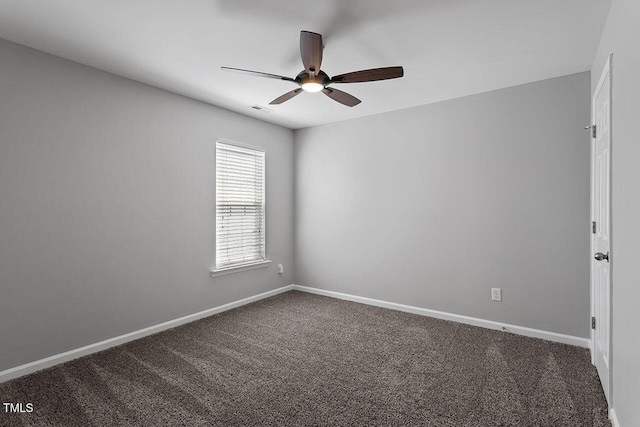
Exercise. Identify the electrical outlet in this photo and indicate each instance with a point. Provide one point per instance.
(280, 269)
(496, 294)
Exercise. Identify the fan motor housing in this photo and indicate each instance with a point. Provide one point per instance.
(304, 77)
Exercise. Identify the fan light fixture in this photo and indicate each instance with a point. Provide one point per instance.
(312, 87)
(313, 79)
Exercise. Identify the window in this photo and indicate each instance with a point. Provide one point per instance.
(240, 212)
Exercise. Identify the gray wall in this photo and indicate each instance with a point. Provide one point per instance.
(432, 206)
(620, 37)
(107, 205)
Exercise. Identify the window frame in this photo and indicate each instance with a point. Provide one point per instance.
(250, 265)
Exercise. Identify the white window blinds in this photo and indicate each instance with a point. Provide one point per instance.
(240, 213)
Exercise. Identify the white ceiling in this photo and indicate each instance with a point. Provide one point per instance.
(449, 48)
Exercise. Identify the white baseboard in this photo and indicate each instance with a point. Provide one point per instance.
(614, 418)
(47, 362)
(520, 330)
(38, 365)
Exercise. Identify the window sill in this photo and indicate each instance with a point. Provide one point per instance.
(238, 269)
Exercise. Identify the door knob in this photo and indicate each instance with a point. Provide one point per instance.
(600, 256)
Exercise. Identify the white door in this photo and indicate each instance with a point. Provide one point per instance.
(601, 229)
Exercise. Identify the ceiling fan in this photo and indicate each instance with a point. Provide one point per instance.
(313, 79)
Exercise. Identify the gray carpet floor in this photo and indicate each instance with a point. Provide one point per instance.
(298, 359)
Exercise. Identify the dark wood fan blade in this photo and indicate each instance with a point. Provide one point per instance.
(311, 51)
(257, 74)
(341, 97)
(369, 75)
(287, 96)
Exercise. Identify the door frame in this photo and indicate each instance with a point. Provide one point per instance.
(607, 69)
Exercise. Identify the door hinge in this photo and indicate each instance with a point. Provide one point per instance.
(593, 131)
(593, 227)
(593, 323)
